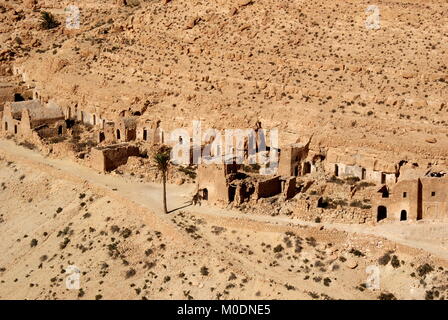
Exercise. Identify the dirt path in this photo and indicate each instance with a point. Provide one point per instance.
(430, 237)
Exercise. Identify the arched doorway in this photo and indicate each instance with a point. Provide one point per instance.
(145, 134)
(296, 171)
(18, 97)
(381, 213)
(60, 129)
(15, 129)
(118, 134)
(306, 168)
(6, 126)
(205, 194)
(403, 215)
(336, 170)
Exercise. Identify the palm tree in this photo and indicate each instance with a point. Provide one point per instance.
(162, 163)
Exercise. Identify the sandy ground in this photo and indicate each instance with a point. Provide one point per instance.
(56, 213)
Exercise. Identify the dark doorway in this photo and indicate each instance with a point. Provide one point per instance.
(94, 120)
(382, 213)
(383, 178)
(306, 168)
(145, 134)
(296, 171)
(102, 137)
(18, 97)
(205, 194)
(60, 130)
(6, 126)
(403, 215)
(118, 134)
(232, 191)
(15, 129)
(336, 170)
(363, 174)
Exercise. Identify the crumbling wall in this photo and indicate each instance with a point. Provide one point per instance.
(111, 157)
(268, 188)
(434, 198)
(289, 189)
(212, 177)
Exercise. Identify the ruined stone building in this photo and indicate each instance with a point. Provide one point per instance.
(365, 166)
(110, 157)
(416, 199)
(30, 118)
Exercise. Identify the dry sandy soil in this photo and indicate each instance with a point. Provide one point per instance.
(55, 213)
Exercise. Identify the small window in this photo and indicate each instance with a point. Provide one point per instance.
(405, 194)
(433, 194)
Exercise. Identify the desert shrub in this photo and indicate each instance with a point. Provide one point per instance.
(126, 233)
(278, 248)
(33, 243)
(386, 296)
(357, 253)
(334, 179)
(352, 180)
(289, 287)
(27, 145)
(130, 273)
(356, 204)
(48, 21)
(365, 184)
(188, 171)
(424, 269)
(57, 139)
(204, 271)
(384, 260)
(395, 262)
(64, 243)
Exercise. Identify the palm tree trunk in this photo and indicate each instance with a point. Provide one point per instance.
(164, 191)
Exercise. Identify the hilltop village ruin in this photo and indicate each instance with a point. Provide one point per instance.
(312, 183)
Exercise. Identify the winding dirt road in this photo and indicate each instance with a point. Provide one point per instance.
(428, 236)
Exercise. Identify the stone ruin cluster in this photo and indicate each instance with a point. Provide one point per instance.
(313, 183)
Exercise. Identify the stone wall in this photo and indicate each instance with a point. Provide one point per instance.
(109, 158)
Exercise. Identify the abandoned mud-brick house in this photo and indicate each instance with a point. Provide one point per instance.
(29, 118)
(47, 122)
(119, 130)
(226, 183)
(150, 131)
(109, 158)
(12, 114)
(214, 181)
(292, 160)
(14, 93)
(416, 199)
(353, 163)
